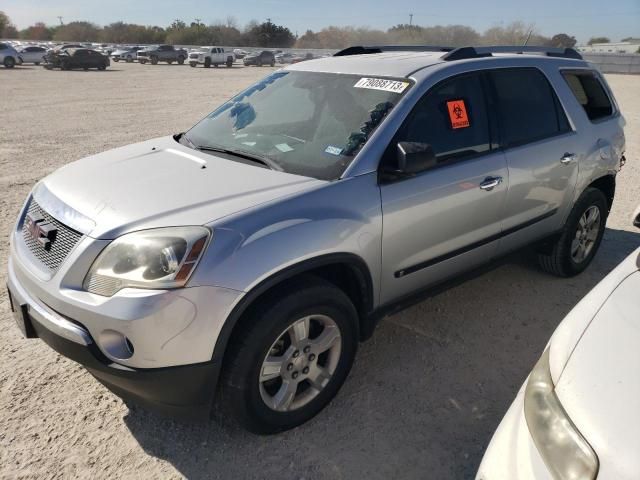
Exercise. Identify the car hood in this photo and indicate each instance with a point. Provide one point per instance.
(599, 386)
(158, 183)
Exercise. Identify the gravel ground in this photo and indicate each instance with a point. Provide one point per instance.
(424, 396)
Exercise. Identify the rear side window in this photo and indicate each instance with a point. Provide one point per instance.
(590, 93)
(528, 108)
(452, 118)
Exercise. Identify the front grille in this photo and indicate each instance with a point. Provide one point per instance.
(65, 239)
(193, 55)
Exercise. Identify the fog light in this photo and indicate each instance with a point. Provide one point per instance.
(116, 344)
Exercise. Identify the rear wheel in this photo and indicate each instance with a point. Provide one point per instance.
(580, 239)
(115, 59)
(154, 60)
(207, 62)
(229, 62)
(290, 356)
(9, 62)
(102, 67)
(180, 60)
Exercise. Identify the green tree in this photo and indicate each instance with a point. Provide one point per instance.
(77, 32)
(37, 31)
(269, 35)
(562, 40)
(593, 40)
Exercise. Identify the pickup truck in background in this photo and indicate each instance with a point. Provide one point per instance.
(208, 56)
(162, 53)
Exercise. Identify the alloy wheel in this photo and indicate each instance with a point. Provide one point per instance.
(586, 234)
(300, 363)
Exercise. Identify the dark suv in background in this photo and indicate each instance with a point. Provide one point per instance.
(259, 59)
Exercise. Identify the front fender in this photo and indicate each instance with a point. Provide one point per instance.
(341, 217)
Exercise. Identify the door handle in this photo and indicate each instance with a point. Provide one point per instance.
(490, 183)
(567, 158)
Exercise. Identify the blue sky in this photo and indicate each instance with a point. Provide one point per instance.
(615, 19)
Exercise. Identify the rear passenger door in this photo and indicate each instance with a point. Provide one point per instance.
(447, 219)
(543, 154)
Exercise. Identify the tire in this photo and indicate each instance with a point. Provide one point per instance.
(574, 250)
(253, 402)
(273, 64)
(229, 62)
(193, 64)
(154, 60)
(207, 62)
(129, 59)
(102, 67)
(9, 62)
(180, 60)
(115, 59)
(142, 61)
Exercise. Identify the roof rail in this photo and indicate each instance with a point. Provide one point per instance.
(364, 49)
(479, 52)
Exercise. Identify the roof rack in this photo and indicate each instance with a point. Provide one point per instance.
(480, 52)
(365, 49)
(461, 53)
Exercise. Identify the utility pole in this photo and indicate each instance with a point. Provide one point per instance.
(268, 20)
(410, 19)
(60, 18)
(197, 20)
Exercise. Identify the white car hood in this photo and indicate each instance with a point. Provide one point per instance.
(599, 386)
(159, 183)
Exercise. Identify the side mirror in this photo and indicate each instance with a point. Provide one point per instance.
(415, 157)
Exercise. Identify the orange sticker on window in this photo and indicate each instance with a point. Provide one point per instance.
(458, 114)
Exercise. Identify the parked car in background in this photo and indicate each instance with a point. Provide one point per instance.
(8, 55)
(577, 416)
(162, 53)
(259, 59)
(302, 58)
(127, 54)
(208, 56)
(32, 54)
(239, 53)
(72, 58)
(284, 58)
(64, 46)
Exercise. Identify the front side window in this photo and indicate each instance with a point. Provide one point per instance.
(452, 118)
(307, 123)
(590, 93)
(528, 108)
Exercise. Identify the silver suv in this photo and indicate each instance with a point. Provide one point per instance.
(251, 254)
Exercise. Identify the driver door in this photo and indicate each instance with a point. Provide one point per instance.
(447, 219)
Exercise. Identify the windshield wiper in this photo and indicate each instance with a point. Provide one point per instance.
(267, 162)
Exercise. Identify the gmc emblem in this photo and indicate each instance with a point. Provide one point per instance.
(43, 232)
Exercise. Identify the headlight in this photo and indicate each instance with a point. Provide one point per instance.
(563, 449)
(158, 258)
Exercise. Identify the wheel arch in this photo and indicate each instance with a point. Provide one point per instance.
(347, 271)
(607, 185)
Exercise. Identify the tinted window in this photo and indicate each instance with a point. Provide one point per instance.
(527, 106)
(590, 93)
(452, 118)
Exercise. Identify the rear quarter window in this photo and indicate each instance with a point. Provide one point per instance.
(590, 93)
(528, 107)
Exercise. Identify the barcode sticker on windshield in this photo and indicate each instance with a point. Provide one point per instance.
(394, 86)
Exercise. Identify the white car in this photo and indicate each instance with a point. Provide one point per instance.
(127, 54)
(577, 416)
(32, 54)
(8, 55)
(208, 56)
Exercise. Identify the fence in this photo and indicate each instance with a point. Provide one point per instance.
(615, 62)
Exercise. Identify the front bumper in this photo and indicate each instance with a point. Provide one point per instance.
(185, 391)
(512, 453)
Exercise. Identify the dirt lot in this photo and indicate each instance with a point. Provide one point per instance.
(425, 394)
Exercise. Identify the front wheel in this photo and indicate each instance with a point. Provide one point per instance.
(9, 62)
(580, 238)
(289, 357)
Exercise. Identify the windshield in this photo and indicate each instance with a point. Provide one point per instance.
(309, 124)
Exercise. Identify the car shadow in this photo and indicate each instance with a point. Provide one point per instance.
(426, 392)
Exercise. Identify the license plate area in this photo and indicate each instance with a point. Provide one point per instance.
(21, 317)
